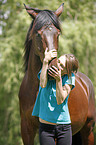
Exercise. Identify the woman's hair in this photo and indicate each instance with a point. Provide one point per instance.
(72, 64)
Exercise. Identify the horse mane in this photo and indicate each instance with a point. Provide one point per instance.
(44, 18)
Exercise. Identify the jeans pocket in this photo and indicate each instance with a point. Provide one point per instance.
(66, 127)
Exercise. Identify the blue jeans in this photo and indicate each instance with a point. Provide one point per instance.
(61, 133)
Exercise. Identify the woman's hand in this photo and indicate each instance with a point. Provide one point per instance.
(55, 72)
(49, 55)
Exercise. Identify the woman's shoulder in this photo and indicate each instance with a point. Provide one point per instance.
(68, 80)
(72, 74)
(66, 75)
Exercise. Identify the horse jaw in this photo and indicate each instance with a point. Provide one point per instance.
(53, 62)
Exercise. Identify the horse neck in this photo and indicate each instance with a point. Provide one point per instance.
(34, 66)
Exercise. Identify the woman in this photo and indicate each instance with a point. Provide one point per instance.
(52, 101)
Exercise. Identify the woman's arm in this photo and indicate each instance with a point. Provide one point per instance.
(62, 91)
(43, 75)
(48, 56)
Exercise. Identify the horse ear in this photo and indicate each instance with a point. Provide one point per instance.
(33, 12)
(59, 11)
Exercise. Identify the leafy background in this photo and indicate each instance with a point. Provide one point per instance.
(78, 23)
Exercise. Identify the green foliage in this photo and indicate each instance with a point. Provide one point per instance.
(79, 38)
(78, 23)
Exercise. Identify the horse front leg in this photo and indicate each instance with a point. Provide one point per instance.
(28, 130)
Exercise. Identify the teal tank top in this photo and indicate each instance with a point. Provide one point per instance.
(46, 106)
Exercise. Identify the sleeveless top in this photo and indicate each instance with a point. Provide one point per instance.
(46, 106)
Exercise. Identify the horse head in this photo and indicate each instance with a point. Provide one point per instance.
(45, 30)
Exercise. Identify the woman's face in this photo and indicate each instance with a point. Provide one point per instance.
(61, 64)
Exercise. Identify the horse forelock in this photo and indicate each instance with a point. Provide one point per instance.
(44, 18)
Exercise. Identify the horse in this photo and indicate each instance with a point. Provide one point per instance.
(44, 33)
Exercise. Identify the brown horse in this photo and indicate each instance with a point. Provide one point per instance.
(43, 33)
